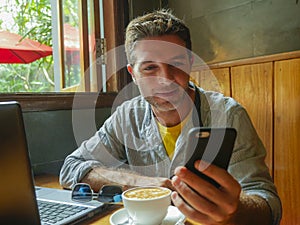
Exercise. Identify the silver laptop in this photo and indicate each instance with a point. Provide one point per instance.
(21, 202)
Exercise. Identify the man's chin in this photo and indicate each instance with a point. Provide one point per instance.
(163, 106)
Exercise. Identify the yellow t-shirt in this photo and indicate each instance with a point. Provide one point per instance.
(169, 135)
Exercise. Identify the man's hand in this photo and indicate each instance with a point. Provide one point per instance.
(201, 201)
(151, 181)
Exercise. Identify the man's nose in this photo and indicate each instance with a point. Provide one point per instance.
(166, 73)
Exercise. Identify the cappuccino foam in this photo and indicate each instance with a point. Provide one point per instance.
(147, 193)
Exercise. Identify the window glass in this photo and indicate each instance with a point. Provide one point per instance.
(32, 20)
(61, 22)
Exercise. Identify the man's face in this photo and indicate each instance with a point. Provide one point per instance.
(161, 71)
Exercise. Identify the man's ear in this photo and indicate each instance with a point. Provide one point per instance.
(130, 70)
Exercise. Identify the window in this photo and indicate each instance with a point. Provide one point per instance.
(32, 22)
(81, 30)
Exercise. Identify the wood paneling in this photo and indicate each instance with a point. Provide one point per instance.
(287, 138)
(252, 87)
(213, 80)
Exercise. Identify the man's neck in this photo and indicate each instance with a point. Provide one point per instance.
(173, 117)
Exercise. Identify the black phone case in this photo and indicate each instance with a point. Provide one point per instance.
(213, 145)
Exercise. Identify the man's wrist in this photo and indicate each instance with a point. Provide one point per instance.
(252, 209)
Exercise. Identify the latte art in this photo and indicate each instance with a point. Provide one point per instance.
(147, 193)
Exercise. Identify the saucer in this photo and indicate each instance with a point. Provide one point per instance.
(173, 217)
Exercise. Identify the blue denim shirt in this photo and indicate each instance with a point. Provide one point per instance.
(130, 139)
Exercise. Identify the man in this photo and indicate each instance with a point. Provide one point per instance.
(143, 142)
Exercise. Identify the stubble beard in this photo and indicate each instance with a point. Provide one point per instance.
(163, 105)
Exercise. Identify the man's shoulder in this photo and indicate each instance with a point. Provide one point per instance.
(218, 109)
(212, 99)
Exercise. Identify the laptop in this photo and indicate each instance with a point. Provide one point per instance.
(21, 202)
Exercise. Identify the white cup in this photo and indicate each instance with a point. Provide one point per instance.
(147, 205)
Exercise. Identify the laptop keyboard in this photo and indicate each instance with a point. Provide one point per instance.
(53, 213)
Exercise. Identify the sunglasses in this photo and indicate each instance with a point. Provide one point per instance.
(83, 192)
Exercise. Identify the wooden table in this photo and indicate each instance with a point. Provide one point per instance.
(51, 181)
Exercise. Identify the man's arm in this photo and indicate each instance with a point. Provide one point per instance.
(252, 209)
(76, 169)
(100, 176)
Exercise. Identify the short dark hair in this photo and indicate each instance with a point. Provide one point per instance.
(157, 23)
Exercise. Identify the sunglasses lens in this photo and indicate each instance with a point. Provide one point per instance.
(82, 193)
(110, 194)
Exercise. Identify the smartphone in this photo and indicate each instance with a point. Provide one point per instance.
(213, 145)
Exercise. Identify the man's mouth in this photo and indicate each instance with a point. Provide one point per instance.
(166, 93)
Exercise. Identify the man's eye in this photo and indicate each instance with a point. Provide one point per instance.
(149, 68)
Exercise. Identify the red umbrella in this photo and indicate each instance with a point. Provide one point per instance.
(15, 50)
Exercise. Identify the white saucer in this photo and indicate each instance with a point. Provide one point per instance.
(174, 217)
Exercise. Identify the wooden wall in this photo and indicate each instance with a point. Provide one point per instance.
(269, 88)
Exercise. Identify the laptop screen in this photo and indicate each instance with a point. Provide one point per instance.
(18, 202)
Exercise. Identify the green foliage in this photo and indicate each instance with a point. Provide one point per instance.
(24, 78)
(32, 19)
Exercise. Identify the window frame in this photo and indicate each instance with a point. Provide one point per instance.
(117, 16)
(59, 101)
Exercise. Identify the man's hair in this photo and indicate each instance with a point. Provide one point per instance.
(157, 23)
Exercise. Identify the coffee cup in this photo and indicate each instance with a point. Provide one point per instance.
(147, 205)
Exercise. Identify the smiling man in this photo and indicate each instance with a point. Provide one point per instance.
(161, 72)
(143, 142)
